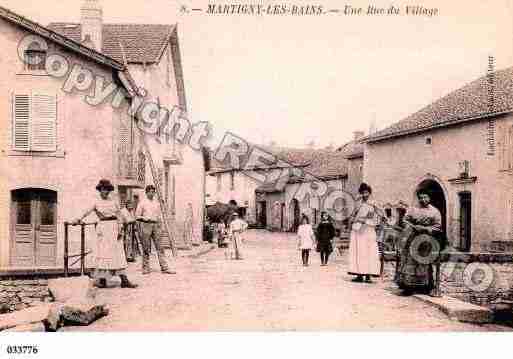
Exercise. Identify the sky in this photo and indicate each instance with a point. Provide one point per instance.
(298, 79)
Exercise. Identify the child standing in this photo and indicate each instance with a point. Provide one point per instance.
(305, 239)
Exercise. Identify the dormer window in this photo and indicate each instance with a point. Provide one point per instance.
(35, 60)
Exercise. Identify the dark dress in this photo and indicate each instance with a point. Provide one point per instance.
(325, 233)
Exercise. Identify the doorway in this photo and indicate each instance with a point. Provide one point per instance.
(465, 221)
(262, 213)
(296, 214)
(33, 227)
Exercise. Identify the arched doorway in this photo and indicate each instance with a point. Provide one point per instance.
(437, 195)
(295, 214)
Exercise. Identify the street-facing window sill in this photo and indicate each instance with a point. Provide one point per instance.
(55, 154)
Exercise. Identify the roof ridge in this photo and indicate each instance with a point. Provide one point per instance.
(450, 117)
(59, 38)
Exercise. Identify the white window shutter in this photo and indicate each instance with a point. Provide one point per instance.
(44, 122)
(21, 122)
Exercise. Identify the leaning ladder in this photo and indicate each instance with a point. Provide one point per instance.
(169, 221)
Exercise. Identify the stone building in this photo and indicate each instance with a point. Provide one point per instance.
(224, 184)
(55, 145)
(151, 52)
(460, 149)
(316, 182)
(353, 153)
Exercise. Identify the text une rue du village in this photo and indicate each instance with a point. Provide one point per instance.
(291, 9)
(414, 10)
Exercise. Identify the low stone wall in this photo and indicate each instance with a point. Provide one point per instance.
(477, 278)
(17, 294)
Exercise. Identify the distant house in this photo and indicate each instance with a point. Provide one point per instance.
(54, 145)
(224, 184)
(283, 202)
(459, 148)
(151, 53)
(353, 151)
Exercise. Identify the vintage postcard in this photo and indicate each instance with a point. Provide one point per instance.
(270, 166)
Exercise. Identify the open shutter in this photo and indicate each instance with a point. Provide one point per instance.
(21, 122)
(44, 122)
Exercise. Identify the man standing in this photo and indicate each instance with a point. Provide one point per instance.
(237, 227)
(148, 215)
(129, 232)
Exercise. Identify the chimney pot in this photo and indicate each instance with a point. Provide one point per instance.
(358, 134)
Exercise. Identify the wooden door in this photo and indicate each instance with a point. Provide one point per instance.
(465, 221)
(34, 228)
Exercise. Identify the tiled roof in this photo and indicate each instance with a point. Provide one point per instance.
(65, 41)
(142, 43)
(72, 45)
(352, 149)
(319, 163)
(322, 164)
(472, 101)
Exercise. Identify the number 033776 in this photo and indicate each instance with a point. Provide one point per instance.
(22, 349)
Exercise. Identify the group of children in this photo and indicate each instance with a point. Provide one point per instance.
(321, 240)
(231, 237)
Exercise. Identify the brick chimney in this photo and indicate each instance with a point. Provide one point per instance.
(358, 134)
(91, 18)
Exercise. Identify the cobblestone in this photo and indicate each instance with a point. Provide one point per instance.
(268, 290)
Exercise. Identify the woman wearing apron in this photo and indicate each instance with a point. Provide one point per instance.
(110, 253)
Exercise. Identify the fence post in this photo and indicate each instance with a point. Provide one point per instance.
(82, 249)
(66, 227)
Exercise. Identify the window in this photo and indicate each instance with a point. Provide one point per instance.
(506, 149)
(34, 122)
(429, 141)
(35, 60)
(218, 178)
(232, 181)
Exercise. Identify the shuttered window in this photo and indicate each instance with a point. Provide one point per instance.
(34, 122)
(506, 150)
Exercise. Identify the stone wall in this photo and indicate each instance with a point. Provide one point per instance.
(17, 294)
(478, 278)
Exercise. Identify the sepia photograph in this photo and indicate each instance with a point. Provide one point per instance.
(240, 167)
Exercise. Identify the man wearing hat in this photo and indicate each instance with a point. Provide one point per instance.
(148, 215)
(237, 227)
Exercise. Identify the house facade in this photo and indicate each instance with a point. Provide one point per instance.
(55, 145)
(316, 181)
(460, 149)
(223, 185)
(151, 52)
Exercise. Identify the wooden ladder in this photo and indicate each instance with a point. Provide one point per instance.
(169, 220)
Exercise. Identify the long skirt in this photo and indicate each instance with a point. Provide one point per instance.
(413, 275)
(363, 252)
(110, 252)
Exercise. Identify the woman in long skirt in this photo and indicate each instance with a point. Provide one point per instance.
(110, 252)
(363, 247)
(422, 233)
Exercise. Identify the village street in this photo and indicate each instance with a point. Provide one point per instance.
(269, 290)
